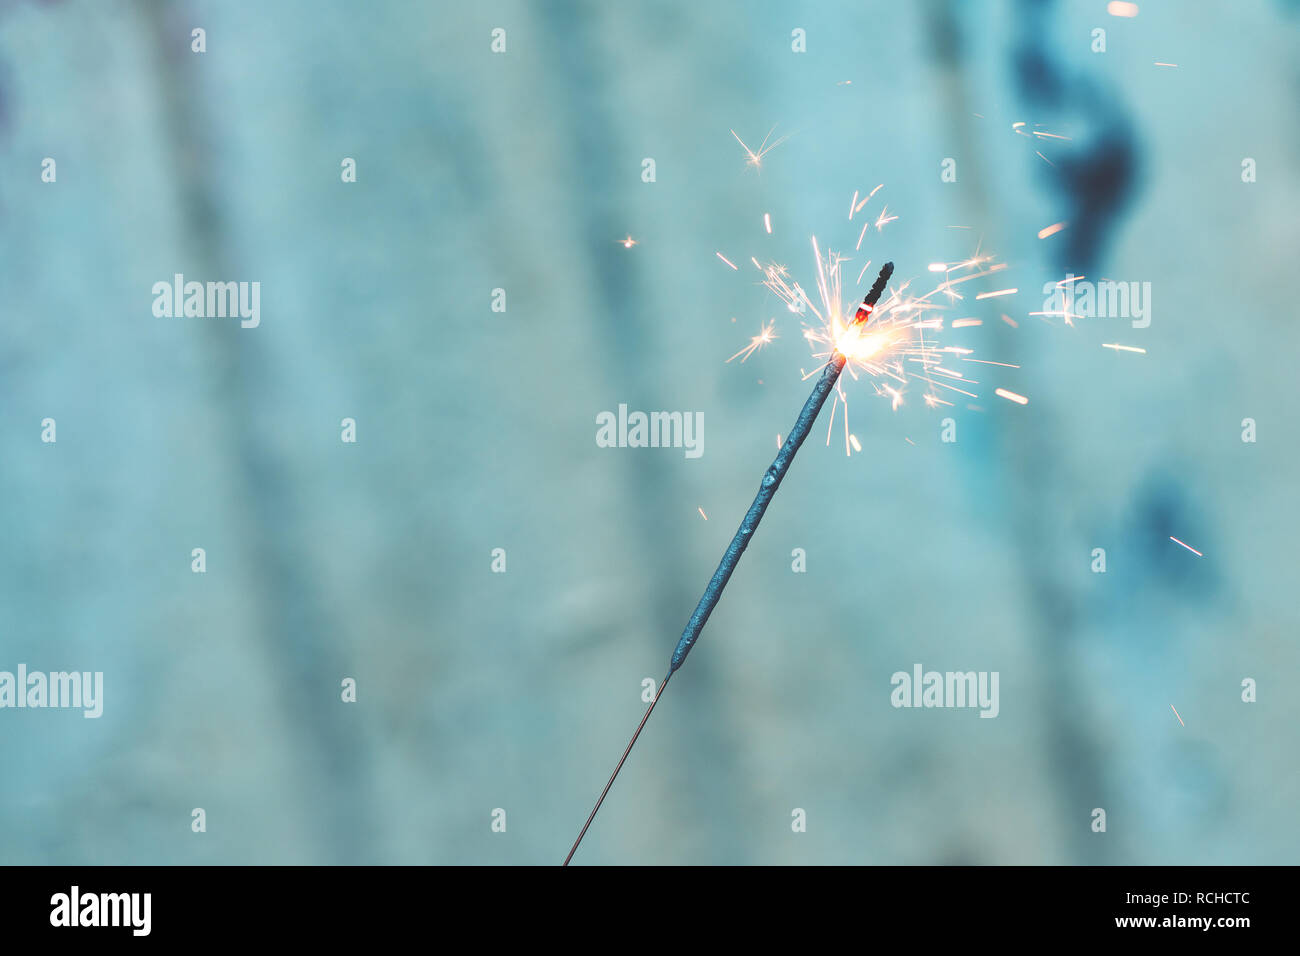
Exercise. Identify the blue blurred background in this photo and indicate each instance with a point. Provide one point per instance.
(519, 170)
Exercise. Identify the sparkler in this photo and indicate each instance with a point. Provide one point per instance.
(744, 534)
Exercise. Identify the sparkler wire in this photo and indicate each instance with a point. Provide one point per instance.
(744, 534)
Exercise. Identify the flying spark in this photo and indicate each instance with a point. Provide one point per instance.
(1010, 396)
(757, 342)
(1187, 546)
(1051, 230)
(755, 157)
(1175, 710)
(627, 243)
(727, 261)
(702, 514)
(1123, 348)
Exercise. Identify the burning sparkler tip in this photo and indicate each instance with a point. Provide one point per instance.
(872, 297)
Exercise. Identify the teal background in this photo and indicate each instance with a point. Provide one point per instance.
(476, 429)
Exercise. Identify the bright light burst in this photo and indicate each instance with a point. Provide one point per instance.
(898, 349)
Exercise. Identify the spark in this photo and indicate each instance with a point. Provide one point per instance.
(1051, 230)
(938, 267)
(1045, 159)
(831, 424)
(765, 336)
(1158, 63)
(862, 235)
(964, 323)
(702, 514)
(627, 243)
(856, 445)
(1118, 9)
(1010, 321)
(727, 261)
(755, 157)
(994, 295)
(885, 219)
(1187, 546)
(858, 207)
(767, 222)
(1010, 396)
(1123, 348)
(1175, 710)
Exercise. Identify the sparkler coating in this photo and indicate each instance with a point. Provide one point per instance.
(744, 534)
